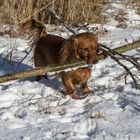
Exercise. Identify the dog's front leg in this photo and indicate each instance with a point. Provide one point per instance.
(70, 89)
(74, 96)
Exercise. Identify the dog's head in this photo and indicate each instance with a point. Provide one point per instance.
(82, 46)
(87, 47)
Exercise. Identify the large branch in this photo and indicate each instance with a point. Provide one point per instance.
(42, 70)
(38, 71)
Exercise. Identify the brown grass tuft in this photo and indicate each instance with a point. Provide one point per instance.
(75, 11)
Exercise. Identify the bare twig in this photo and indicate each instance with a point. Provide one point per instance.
(46, 6)
(58, 18)
(24, 58)
(130, 59)
(109, 52)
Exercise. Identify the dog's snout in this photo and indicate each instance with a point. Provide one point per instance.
(92, 60)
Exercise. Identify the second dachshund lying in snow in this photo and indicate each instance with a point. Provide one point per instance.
(50, 50)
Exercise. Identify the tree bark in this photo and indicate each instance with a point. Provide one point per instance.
(42, 70)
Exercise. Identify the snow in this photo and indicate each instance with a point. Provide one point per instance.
(31, 110)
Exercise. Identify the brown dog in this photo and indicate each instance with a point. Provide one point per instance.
(50, 50)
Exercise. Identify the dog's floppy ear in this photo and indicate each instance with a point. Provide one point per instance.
(68, 52)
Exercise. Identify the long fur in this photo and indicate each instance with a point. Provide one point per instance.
(68, 52)
(51, 50)
(34, 31)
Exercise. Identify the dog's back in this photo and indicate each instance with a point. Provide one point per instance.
(47, 50)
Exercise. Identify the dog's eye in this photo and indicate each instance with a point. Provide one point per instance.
(85, 50)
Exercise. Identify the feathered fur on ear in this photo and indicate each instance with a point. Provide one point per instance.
(69, 50)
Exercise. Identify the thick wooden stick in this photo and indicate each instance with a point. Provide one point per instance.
(42, 70)
(38, 71)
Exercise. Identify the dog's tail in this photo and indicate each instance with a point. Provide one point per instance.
(33, 30)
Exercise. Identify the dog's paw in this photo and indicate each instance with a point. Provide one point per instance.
(80, 97)
(83, 96)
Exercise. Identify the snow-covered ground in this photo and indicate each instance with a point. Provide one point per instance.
(31, 110)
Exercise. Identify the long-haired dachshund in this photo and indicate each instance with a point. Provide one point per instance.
(50, 50)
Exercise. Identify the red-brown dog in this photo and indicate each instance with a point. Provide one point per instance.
(50, 50)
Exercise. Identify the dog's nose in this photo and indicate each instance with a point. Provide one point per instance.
(92, 60)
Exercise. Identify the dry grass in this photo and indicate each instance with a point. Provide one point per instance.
(15, 11)
(120, 17)
(138, 4)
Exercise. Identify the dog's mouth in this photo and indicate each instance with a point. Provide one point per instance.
(92, 62)
(89, 61)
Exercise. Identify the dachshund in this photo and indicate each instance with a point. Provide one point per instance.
(54, 50)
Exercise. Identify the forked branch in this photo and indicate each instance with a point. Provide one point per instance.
(118, 57)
